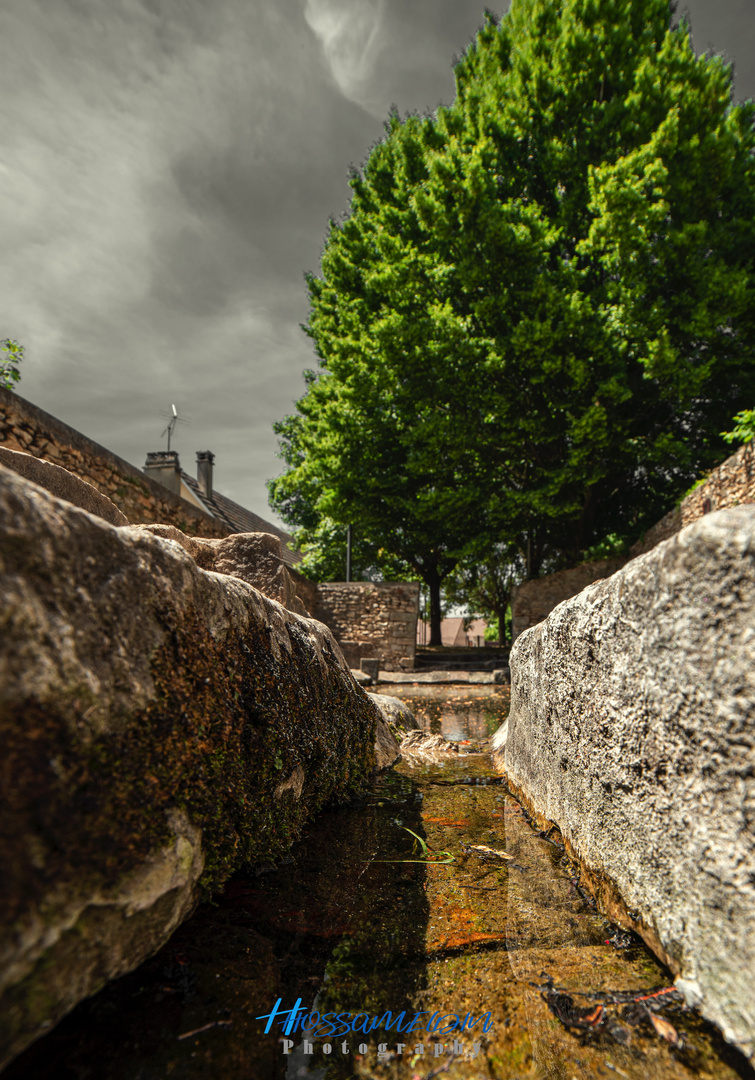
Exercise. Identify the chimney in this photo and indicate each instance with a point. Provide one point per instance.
(165, 467)
(205, 459)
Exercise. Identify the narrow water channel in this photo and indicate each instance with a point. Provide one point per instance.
(431, 895)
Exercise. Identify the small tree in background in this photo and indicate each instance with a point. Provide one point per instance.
(483, 583)
(13, 355)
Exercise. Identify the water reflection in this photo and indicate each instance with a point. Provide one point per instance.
(456, 712)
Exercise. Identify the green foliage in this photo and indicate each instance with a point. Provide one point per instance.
(610, 547)
(493, 631)
(14, 354)
(540, 310)
(744, 430)
(482, 582)
(437, 858)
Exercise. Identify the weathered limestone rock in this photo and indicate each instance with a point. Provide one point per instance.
(632, 727)
(396, 713)
(417, 747)
(160, 726)
(395, 719)
(387, 750)
(62, 483)
(253, 557)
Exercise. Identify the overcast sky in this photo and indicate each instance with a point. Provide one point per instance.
(167, 171)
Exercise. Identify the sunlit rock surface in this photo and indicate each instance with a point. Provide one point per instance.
(161, 725)
(632, 727)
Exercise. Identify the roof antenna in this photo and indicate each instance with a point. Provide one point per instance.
(175, 419)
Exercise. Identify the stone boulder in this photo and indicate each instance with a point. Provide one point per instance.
(396, 713)
(64, 484)
(252, 557)
(395, 719)
(417, 747)
(632, 727)
(161, 725)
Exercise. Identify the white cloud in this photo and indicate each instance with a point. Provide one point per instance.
(349, 32)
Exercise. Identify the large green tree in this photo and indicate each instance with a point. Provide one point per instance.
(540, 311)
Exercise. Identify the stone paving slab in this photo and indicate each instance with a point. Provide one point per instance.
(476, 678)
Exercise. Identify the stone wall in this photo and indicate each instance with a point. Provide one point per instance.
(372, 619)
(31, 430)
(534, 600)
(731, 484)
(305, 589)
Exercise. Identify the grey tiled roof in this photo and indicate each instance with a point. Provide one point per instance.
(240, 520)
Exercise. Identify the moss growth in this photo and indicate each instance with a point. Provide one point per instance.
(229, 723)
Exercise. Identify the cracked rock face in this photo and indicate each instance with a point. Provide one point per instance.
(632, 727)
(161, 725)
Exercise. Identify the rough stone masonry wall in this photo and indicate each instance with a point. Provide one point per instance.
(731, 484)
(31, 430)
(534, 600)
(371, 619)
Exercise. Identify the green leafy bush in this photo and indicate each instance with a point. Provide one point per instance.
(744, 429)
(9, 372)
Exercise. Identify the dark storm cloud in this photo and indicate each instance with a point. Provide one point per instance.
(168, 171)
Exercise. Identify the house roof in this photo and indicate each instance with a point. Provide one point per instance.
(239, 519)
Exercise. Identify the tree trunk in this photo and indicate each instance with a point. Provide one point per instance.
(432, 581)
(502, 625)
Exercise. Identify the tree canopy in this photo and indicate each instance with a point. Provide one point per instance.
(539, 311)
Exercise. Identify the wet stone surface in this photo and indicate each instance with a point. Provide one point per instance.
(370, 913)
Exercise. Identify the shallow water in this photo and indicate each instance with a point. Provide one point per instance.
(341, 929)
(455, 712)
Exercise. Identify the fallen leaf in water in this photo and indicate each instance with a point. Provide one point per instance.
(491, 851)
(666, 1030)
(458, 941)
(562, 1006)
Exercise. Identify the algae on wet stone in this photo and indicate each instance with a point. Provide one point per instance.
(150, 710)
(223, 731)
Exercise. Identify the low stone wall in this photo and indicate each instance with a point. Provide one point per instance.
(371, 619)
(31, 430)
(161, 726)
(631, 728)
(731, 484)
(534, 600)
